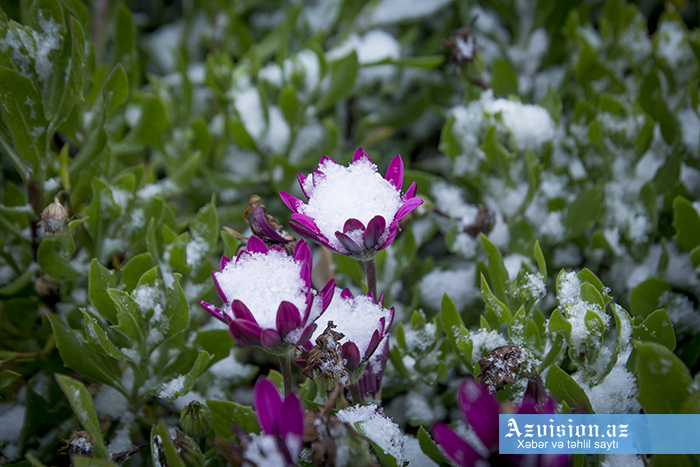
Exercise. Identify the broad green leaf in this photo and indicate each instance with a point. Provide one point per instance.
(96, 334)
(504, 81)
(587, 276)
(115, 89)
(152, 122)
(182, 384)
(23, 114)
(497, 154)
(426, 61)
(564, 388)
(52, 261)
(657, 327)
(224, 414)
(493, 304)
(454, 329)
(497, 269)
(217, 342)
(383, 456)
(176, 310)
(163, 451)
(84, 461)
(591, 295)
(664, 380)
(645, 297)
(81, 403)
(583, 212)
(7, 377)
(429, 447)
(134, 269)
(79, 356)
(205, 227)
(185, 172)
(686, 221)
(289, 104)
(231, 244)
(343, 76)
(101, 279)
(129, 317)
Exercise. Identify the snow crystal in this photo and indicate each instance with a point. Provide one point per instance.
(457, 283)
(146, 297)
(357, 318)
(672, 44)
(534, 283)
(485, 341)
(420, 339)
(230, 369)
(617, 393)
(354, 192)
(575, 308)
(531, 125)
(169, 389)
(684, 316)
(374, 46)
(247, 101)
(690, 125)
(415, 454)
(48, 38)
(109, 401)
(306, 65)
(121, 441)
(272, 73)
(197, 248)
(262, 282)
(376, 426)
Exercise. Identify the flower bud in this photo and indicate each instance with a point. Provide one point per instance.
(195, 420)
(54, 217)
(188, 450)
(79, 444)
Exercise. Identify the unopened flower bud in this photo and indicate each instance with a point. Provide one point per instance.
(188, 450)
(195, 419)
(54, 217)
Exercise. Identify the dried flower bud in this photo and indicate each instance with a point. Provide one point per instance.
(195, 420)
(324, 361)
(54, 217)
(266, 227)
(505, 365)
(465, 52)
(79, 444)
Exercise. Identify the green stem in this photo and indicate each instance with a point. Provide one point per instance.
(371, 270)
(286, 369)
(357, 398)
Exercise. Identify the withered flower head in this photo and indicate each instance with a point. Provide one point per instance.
(54, 217)
(79, 444)
(266, 227)
(462, 45)
(324, 361)
(505, 365)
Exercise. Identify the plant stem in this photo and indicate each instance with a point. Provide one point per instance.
(286, 369)
(371, 270)
(356, 394)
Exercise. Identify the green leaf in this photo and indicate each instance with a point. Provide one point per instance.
(429, 448)
(289, 104)
(645, 297)
(217, 342)
(81, 403)
(497, 155)
(129, 318)
(84, 461)
(100, 279)
(591, 295)
(7, 377)
(454, 329)
(343, 76)
(493, 304)
(163, 450)
(205, 226)
(23, 114)
(115, 89)
(686, 221)
(66, 83)
(52, 261)
(79, 356)
(664, 381)
(176, 310)
(182, 384)
(587, 276)
(657, 327)
(426, 61)
(224, 414)
(541, 264)
(147, 130)
(504, 80)
(96, 334)
(552, 103)
(583, 212)
(134, 269)
(497, 269)
(564, 388)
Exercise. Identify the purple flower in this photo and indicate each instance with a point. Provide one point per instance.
(282, 425)
(268, 299)
(364, 323)
(352, 210)
(481, 409)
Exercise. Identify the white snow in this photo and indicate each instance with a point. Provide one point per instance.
(485, 341)
(372, 423)
(354, 192)
(396, 11)
(262, 282)
(458, 283)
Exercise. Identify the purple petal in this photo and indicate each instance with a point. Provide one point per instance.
(351, 354)
(302, 253)
(306, 221)
(348, 243)
(292, 202)
(480, 409)
(394, 174)
(373, 343)
(261, 227)
(270, 339)
(255, 245)
(267, 403)
(393, 231)
(353, 224)
(345, 294)
(375, 229)
(302, 182)
(527, 407)
(215, 312)
(359, 155)
(325, 159)
(306, 335)
(317, 176)
(309, 301)
(288, 318)
(391, 315)
(407, 207)
(327, 294)
(218, 287)
(224, 261)
(291, 418)
(411, 192)
(246, 333)
(241, 311)
(307, 233)
(459, 451)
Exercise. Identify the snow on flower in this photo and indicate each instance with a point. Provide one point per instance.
(352, 210)
(268, 299)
